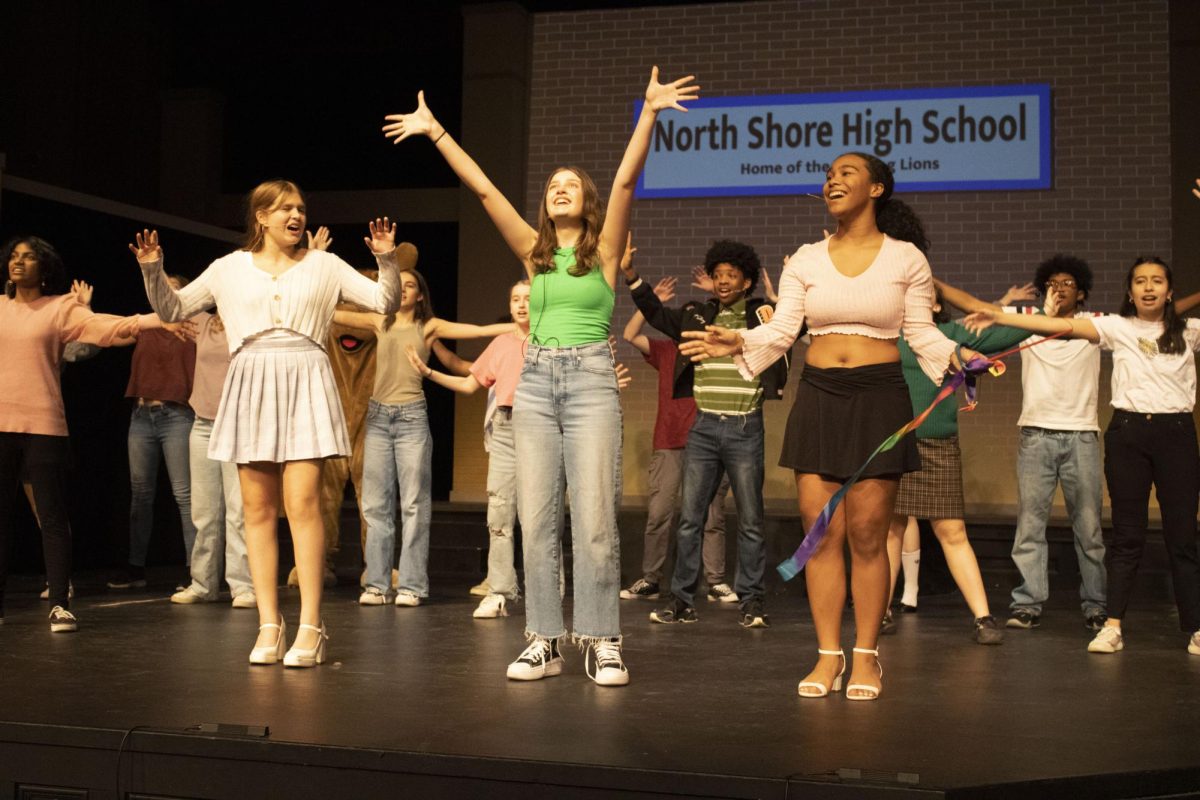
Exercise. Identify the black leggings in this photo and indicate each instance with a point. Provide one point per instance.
(43, 460)
(1159, 449)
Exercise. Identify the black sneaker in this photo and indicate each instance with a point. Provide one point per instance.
(130, 578)
(603, 663)
(62, 621)
(1096, 621)
(887, 626)
(678, 611)
(1023, 618)
(540, 659)
(987, 631)
(753, 615)
(641, 589)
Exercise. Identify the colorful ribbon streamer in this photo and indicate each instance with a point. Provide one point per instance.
(966, 376)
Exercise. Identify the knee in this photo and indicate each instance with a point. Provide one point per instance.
(866, 545)
(952, 535)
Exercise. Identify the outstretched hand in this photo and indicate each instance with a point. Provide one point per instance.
(185, 331)
(423, 369)
(82, 291)
(979, 321)
(627, 257)
(670, 95)
(664, 290)
(1018, 294)
(146, 249)
(321, 240)
(712, 342)
(414, 123)
(383, 236)
(702, 280)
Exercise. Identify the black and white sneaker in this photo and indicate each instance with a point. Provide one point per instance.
(721, 593)
(540, 659)
(678, 611)
(603, 663)
(641, 589)
(62, 621)
(753, 615)
(1095, 622)
(1023, 618)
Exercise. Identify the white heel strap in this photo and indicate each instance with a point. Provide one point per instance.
(269, 625)
(320, 630)
(865, 650)
(831, 652)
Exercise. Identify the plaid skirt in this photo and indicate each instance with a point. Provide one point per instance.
(279, 403)
(936, 492)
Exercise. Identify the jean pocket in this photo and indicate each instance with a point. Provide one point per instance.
(1089, 437)
(598, 365)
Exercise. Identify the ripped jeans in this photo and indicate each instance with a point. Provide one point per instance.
(502, 506)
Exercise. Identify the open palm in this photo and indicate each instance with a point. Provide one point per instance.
(670, 95)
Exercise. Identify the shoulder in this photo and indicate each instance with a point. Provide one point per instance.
(906, 253)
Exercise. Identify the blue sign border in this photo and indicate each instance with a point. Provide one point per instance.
(1040, 90)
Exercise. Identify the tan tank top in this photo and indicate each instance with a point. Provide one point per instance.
(396, 382)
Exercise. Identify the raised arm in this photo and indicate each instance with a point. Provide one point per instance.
(633, 333)
(382, 296)
(362, 320)
(512, 227)
(659, 96)
(963, 301)
(463, 385)
(440, 328)
(170, 305)
(450, 359)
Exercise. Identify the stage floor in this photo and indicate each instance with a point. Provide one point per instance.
(711, 709)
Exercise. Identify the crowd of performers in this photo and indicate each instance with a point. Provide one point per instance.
(250, 382)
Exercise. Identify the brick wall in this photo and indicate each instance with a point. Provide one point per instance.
(1107, 64)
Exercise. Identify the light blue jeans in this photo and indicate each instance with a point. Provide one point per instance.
(157, 433)
(217, 515)
(1046, 458)
(567, 430)
(502, 506)
(398, 454)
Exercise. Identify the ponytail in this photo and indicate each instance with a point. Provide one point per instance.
(893, 217)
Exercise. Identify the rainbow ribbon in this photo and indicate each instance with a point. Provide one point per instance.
(966, 376)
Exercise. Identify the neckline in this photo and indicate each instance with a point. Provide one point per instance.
(875, 260)
(257, 268)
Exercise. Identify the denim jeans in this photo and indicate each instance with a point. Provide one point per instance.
(398, 454)
(502, 506)
(1044, 459)
(158, 432)
(662, 519)
(567, 430)
(217, 515)
(722, 444)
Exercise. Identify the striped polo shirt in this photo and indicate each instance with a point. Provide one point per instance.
(718, 386)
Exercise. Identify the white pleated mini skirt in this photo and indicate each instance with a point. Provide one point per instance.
(279, 403)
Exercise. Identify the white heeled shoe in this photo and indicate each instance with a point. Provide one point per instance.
(872, 691)
(821, 689)
(270, 654)
(308, 657)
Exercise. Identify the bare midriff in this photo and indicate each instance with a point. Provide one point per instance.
(848, 350)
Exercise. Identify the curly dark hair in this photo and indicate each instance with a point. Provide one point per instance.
(735, 254)
(50, 265)
(1077, 268)
(1172, 340)
(893, 217)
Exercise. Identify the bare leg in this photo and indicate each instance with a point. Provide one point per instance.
(260, 514)
(960, 558)
(869, 505)
(302, 503)
(825, 574)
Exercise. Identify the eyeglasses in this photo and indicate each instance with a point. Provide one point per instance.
(1067, 284)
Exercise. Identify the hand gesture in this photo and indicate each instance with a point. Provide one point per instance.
(1018, 294)
(321, 240)
(627, 256)
(702, 280)
(669, 95)
(979, 321)
(1051, 306)
(185, 331)
(623, 377)
(82, 291)
(419, 122)
(664, 290)
(968, 355)
(420, 366)
(768, 287)
(712, 342)
(147, 249)
(383, 236)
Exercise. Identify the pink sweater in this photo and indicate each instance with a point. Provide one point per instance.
(894, 294)
(32, 338)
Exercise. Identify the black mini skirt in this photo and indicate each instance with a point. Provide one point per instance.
(841, 415)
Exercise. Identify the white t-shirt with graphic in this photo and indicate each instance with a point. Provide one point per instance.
(1060, 382)
(1143, 379)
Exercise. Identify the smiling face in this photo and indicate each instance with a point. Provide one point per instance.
(518, 304)
(729, 283)
(1149, 290)
(564, 196)
(24, 268)
(284, 222)
(848, 186)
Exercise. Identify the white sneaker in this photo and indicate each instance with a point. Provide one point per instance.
(721, 593)
(245, 600)
(1194, 644)
(407, 599)
(603, 663)
(480, 589)
(372, 597)
(45, 595)
(62, 621)
(540, 659)
(1108, 640)
(491, 607)
(188, 596)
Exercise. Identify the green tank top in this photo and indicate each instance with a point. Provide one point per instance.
(564, 310)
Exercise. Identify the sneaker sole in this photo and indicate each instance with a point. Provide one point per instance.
(380, 602)
(631, 596)
(757, 622)
(63, 627)
(619, 679)
(725, 599)
(674, 621)
(548, 671)
(1106, 650)
(1025, 626)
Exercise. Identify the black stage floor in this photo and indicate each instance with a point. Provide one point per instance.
(415, 701)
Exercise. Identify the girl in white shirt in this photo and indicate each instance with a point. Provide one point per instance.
(280, 415)
(1151, 439)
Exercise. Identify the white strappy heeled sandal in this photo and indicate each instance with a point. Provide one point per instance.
(308, 656)
(271, 653)
(872, 691)
(821, 689)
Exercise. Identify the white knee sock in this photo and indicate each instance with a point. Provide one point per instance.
(911, 564)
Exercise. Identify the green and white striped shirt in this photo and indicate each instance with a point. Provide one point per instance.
(718, 386)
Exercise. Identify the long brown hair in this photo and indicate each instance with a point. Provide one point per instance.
(1172, 340)
(264, 197)
(424, 308)
(588, 246)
